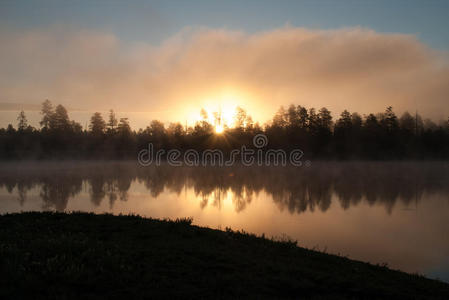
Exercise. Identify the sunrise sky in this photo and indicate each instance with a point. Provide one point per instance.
(167, 59)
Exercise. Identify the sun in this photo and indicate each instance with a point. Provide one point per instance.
(219, 110)
(220, 116)
(219, 129)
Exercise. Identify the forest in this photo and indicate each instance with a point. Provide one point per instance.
(375, 136)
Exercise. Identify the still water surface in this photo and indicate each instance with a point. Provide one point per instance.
(395, 213)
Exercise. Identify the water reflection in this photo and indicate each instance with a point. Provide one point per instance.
(392, 212)
(294, 189)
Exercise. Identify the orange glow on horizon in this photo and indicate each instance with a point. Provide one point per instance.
(221, 108)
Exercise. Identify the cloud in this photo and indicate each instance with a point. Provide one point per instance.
(354, 68)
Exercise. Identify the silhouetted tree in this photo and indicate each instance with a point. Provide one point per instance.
(22, 121)
(371, 131)
(407, 123)
(60, 119)
(280, 118)
(123, 127)
(249, 123)
(125, 140)
(76, 127)
(157, 129)
(242, 122)
(47, 113)
(325, 119)
(345, 121)
(292, 117)
(343, 134)
(97, 125)
(322, 132)
(303, 116)
(10, 129)
(312, 121)
(112, 122)
(175, 130)
(389, 120)
(203, 128)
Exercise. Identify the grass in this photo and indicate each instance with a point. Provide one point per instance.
(88, 256)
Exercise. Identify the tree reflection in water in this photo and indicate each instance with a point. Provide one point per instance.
(296, 189)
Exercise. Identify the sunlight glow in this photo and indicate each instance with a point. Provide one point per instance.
(220, 107)
(221, 114)
(219, 128)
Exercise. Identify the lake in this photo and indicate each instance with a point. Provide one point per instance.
(394, 213)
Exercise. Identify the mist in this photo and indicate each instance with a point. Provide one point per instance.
(354, 68)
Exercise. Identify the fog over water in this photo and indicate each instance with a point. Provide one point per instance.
(382, 212)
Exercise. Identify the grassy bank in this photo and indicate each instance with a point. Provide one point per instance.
(79, 255)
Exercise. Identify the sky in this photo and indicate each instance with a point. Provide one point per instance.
(170, 58)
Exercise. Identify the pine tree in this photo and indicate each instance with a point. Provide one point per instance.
(123, 127)
(325, 118)
(97, 125)
(47, 113)
(389, 120)
(22, 121)
(303, 116)
(60, 119)
(112, 123)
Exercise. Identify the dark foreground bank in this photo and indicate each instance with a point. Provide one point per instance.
(79, 255)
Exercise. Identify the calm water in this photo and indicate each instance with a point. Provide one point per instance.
(394, 213)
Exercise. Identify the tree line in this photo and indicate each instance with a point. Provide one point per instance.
(374, 136)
